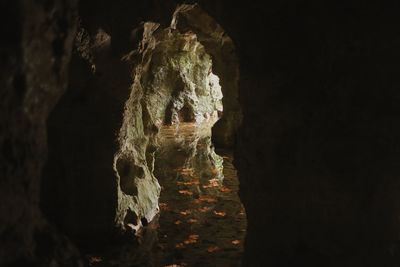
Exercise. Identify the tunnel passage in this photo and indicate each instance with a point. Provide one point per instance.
(180, 98)
(181, 74)
(111, 117)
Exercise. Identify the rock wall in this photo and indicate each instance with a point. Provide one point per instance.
(319, 146)
(83, 199)
(177, 77)
(173, 83)
(192, 18)
(35, 52)
(80, 193)
(108, 121)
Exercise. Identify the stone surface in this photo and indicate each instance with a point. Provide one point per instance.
(114, 106)
(173, 84)
(192, 18)
(35, 53)
(79, 185)
(177, 77)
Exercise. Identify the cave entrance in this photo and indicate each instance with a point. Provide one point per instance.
(202, 221)
(193, 67)
(125, 152)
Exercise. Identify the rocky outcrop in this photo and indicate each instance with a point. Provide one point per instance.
(107, 111)
(216, 42)
(173, 83)
(35, 50)
(177, 77)
(82, 201)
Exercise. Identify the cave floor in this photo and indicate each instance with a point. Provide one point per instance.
(205, 229)
(202, 221)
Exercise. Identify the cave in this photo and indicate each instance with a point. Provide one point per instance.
(138, 133)
(199, 133)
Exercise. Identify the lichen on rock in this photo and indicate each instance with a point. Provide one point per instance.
(191, 18)
(177, 77)
(173, 83)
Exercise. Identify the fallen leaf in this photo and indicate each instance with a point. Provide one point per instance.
(207, 199)
(204, 209)
(193, 221)
(191, 240)
(194, 182)
(235, 242)
(225, 190)
(180, 245)
(220, 213)
(164, 206)
(178, 222)
(184, 171)
(185, 212)
(212, 183)
(213, 249)
(185, 192)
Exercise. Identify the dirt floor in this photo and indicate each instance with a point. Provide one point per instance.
(201, 222)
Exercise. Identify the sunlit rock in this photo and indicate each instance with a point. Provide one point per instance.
(193, 19)
(173, 83)
(176, 75)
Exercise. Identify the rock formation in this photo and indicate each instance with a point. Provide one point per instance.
(115, 106)
(173, 83)
(35, 56)
(192, 18)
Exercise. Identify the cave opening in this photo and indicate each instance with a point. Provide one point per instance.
(151, 165)
(202, 221)
(187, 82)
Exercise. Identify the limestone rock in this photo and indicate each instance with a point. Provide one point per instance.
(173, 83)
(221, 48)
(36, 47)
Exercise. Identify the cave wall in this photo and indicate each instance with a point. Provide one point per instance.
(82, 200)
(318, 149)
(108, 121)
(193, 18)
(35, 53)
(173, 83)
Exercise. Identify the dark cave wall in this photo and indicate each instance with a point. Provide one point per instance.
(35, 54)
(319, 147)
(82, 132)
